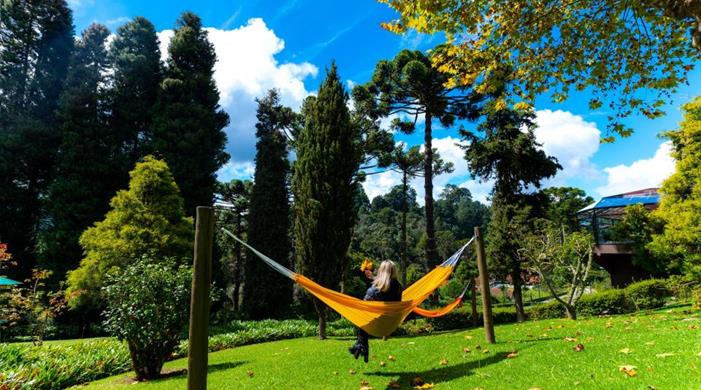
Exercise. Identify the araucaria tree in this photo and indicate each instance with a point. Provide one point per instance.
(680, 208)
(631, 55)
(147, 219)
(238, 194)
(409, 86)
(36, 41)
(329, 152)
(269, 215)
(187, 131)
(509, 154)
(86, 176)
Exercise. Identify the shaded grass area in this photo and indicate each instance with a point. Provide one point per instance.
(663, 347)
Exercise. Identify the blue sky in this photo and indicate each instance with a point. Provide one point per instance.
(287, 44)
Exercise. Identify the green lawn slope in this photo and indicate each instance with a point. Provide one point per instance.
(659, 350)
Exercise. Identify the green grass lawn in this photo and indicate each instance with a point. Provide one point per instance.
(664, 347)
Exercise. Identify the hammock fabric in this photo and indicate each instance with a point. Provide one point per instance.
(377, 318)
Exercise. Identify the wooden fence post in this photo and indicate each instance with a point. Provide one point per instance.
(200, 301)
(484, 287)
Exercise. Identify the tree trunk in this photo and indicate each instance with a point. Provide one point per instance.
(571, 312)
(147, 363)
(473, 303)
(239, 263)
(518, 296)
(431, 251)
(321, 311)
(405, 258)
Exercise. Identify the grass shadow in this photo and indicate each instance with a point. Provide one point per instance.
(443, 374)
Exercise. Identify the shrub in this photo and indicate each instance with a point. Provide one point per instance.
(552, 309)
(461, 318)
(648, 294)
(612, 301)
(696, 297)
(681, 286)
(60, 366)
(147, 305)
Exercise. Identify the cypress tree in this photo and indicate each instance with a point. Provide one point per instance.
(136, 62)
(85, 172)
(269, 214)
(187, 131)
(145, 220)
(36, 38)
(329, 152)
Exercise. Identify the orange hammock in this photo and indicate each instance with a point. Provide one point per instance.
(377, 318)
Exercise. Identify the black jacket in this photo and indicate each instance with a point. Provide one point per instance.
(393, 293)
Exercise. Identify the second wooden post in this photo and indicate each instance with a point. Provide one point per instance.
(199, 302)
(484, 287)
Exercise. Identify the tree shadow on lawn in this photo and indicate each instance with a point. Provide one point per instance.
(443, 374)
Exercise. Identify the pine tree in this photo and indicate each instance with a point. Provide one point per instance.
(36, 40)
(86, 176)
(329, 152)
(187, 131)
(269, 224)
(510, 155)
(136, 62)
(147, 219)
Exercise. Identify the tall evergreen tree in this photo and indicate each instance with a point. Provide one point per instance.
(269, 215)
(409, 85)
(329, 151)
(136, 62)
(238, 194)
(509, 154)
(187, 130)
(36, 41)
(86, 176)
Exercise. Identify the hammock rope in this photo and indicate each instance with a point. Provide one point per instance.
(377, 318)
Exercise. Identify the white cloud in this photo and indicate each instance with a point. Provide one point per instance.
(640, 174)
(570, 139)
(246, 68)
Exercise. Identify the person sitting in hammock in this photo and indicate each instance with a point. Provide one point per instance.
(385, 287)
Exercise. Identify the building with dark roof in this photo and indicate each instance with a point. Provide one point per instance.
(599, 217)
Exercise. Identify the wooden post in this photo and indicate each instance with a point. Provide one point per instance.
(484, 287)
(199, 302)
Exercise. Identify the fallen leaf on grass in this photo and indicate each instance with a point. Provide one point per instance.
(571, 339)
(698, 354)
(536, 388)
(417, 381)
(578, 348)
(366, 388)
(443, 362)
(628, 370)
(382, 363)
(664, 355)
(650, 343)
(364, 383)
(468, 337)
(394, 385)
(512, 355)
(626, 350)
(391, 357)
(351, 371)
(335, 372)
(250, 373)
(485, 350)
(466, 350)
(424, 386)
(478, 346)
